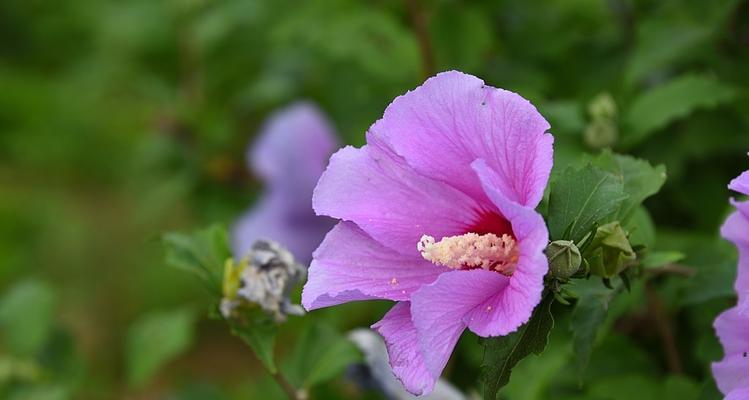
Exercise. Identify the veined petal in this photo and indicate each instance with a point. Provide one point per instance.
(507, 309)
(453, 119)
(349, 265)
(439, 310)
(404, 352)
(394, 204)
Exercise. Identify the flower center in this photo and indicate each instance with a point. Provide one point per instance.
(471, 250)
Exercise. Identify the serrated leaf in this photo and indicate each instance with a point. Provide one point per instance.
(156, 339)
(201, 253)
(640, 180)
(589, 314)
(26, 317)
(580, 198)
(259, 331)
(502, 353)
(675, 99)
(320, 354)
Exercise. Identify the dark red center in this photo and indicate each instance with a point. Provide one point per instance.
(491, 222)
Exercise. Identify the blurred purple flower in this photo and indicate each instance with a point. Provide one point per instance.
(732, 326)
(453, 159)
(290, 154)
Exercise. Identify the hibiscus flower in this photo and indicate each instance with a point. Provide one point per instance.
(438, 214)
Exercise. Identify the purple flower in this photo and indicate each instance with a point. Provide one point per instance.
(732, 326)
(289, 155)
(438, 215)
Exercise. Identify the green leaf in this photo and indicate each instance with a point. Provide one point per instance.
(502, 353)
(675, 99)
(26, 317)
(155, 339)
(202, 253)
(640, 179)
(320, 354)
(587, 317)
(641, 228)
(660, 258)
(579, 199)
(259, 331)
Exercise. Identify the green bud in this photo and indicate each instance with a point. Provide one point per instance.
(601, 133)
(602, 106)
(609, 253)
(564, 258)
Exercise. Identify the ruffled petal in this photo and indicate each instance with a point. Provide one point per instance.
(732, 327)
(453, 119)
(377, 190)
(292, 151)
(404, 352)
(732, 373)
(741, 183)
(270, 218)
(349, 265)
(439, 310)
(511, 307)
(736, 229)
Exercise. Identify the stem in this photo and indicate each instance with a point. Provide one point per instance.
(420, 27)
(665, 330)
(291, 392)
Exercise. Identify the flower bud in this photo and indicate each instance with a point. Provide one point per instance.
(610, 252)
(564, 258)
(262, 278)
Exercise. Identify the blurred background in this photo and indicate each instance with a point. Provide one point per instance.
(121, 120)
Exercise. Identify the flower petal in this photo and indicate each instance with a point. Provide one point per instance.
(741, 183)
(732, 327)
(736, 229)
(738, 394)
(453, 119)
(732, 373)
(509, 308)
(349, 265)
(404, 352)
(270, 219)
(292, 149)
(377, 190)
(439, 310)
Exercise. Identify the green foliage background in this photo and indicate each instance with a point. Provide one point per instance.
(120, 120)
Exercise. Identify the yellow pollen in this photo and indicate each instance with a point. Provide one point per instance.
(471, 250)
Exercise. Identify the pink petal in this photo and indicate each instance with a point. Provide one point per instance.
(507, 309)
(732, 373)
(453, 119)
(395, 205)
(732, 327)
(738, 394)
(293, 148)
(403, 350)
(736, 229)
(741, 183)
(349, 265)
(439, 310)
